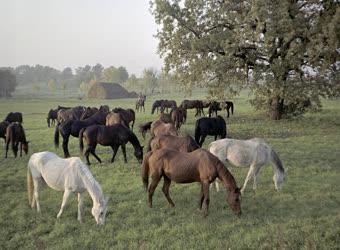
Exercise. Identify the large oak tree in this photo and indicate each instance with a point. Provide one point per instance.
(285, 51)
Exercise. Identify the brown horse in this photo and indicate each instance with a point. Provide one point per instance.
(229, 105)
(70, 114)
(166, 104)
(166, 118)
(214, 107)
(160, 128)
(113, 136)
(140, 103)
(144, 127)
(88, 112)
(197, 166)
(114, 118)
(178, 115)
(191, 104)
(3, 127)
(157, 104)
(182, 144)
(15, 134)
(128, 115)
(14, 117)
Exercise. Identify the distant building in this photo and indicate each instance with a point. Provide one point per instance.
(109, 90)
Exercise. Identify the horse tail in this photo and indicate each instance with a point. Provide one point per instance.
(197, 132)
(81, 143)
(29, 186)
(145, 170)
(232, 107)
(279, 170)
(56, 136)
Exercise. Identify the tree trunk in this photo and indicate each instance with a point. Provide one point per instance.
(276, 108)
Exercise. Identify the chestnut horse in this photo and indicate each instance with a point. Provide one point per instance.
(161, 128)
(144, 127)
(114, 118)
(197, 166)
(15, 134)
(128, 115)
(182, 144)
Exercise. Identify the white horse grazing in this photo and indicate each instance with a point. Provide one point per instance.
(68, 175)
(253, 153)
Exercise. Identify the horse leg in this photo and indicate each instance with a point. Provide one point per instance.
(87, 154)
(249, 175)
(202, 140)
(7, 147)
(67, 193)
(155, 179)
(35, 201)
(124, 152)
(228, 112)
(93, 152)
(115, 149)
(201, 197)
(15, 149)
(20, 149)
(165, 189)
(256, 172)
(80, 206)
(206, 200)
(65, 146)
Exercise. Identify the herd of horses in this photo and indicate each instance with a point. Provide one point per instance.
(168, 155)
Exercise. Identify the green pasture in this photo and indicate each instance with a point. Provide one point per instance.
(304, 215)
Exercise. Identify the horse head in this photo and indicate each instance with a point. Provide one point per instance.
(234, 201)
(139, 153)
(99, 211)
(25, 147)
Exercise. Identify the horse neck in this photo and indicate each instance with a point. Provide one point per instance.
(134, 140)
(225, 176)
(91, 185)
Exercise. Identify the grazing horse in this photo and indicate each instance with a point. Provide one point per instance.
(88, 112)
(161, 128)
(210, 126)
(14, 117)
(253, 153)
(229, 105)
(75, 113)
(178, 116)
(144, 127)
(115, 118)
(157, 104)
(15, 134)
(182, 144)
(113, 136)
(128, 115)
(197, 166)
(73, 127)
(68, 175)
(140, 103)
(214, 107)
(166, 104)
(52, 115)
(191, 104)
(3, 127)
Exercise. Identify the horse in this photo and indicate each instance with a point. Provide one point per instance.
(75, 113)
(191, 104)
(166, 104)
(166, 118)
(104, 108)
(114, 118)
(62, 107)
(72, 127)
(144, 127)
(52, 115)
(197, 166)
(14, 117)
(229, 105)
(128, 115)
(140, 103)
(253, 153)
(15, 134)
(68, 175)
(214, 107)
(88, 112)
(177, 116)
(157, 104)
(160, 128)
(3, 127)
(210, 126)
(113, 136)
(181, 144)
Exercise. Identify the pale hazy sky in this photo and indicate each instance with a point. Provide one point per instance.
(61, 33)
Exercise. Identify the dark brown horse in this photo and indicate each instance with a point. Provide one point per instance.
(140, 103)
(166, 118)
(182, 144)
(178, 116)
(52, 116)
(88, 112)
(157, 104)
(114, 118)
(193, 104)
(75, 113)
(128, 115)
(229, 105)
(144, 127)
(14, 117)
(166, 104)
(113, 136)
(3, 127)
(197, 166)
(15, 134)
(214, 107)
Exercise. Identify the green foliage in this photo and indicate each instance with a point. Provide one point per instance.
(271, 46)
(8, 82)
(304, 215)
(117, 75)
(51, 85)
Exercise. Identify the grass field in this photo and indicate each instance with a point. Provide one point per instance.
(305, 215)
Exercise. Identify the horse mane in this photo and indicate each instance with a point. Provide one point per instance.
(225, 176)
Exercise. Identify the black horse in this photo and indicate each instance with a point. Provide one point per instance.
(166, 104)
(214, 107)
(210, 126)
(113, 136)
(52, 115)
(73, 127)
(3, 127)
(15, 134)
(229, 105)
(157, 104)
(14, 117)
